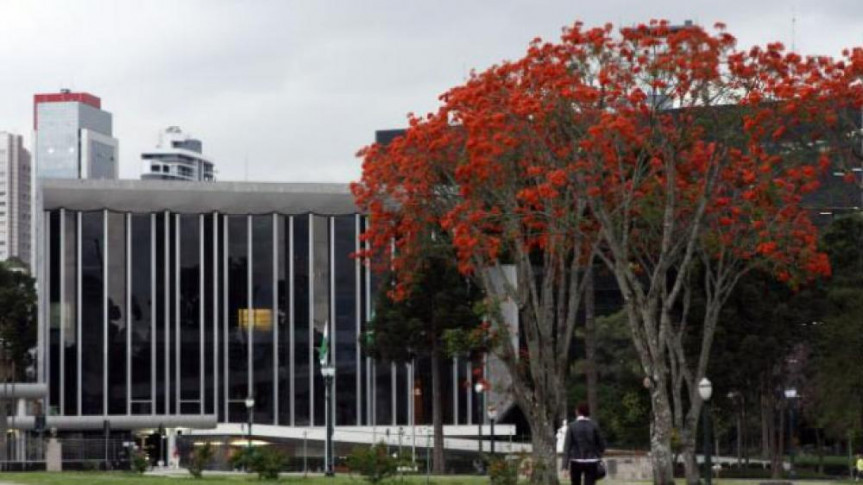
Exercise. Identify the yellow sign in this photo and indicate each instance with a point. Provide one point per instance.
(261, 318)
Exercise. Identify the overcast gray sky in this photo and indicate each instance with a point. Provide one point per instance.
(296, 87)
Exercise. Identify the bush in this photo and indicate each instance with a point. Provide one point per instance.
(265, 461)
(373, 463)
(199, 458)
(140, 462)
(502, 471)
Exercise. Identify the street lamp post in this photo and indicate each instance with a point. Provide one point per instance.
(479, 387)
(250, 404)
(791, 396)
(328, 371)
(705, 390)
(492, 416)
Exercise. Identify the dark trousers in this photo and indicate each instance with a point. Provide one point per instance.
(577, 469)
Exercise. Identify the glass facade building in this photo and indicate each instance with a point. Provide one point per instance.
(74, 137)
(184, 298)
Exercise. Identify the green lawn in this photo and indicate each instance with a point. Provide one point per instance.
(117, 478)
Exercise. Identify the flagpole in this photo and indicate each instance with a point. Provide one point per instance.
(328, 370)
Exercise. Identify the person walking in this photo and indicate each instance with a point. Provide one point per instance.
(583, 447)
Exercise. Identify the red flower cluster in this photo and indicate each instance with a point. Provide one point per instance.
(639, 135)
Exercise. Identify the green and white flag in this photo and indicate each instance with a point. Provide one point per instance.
(324, 349)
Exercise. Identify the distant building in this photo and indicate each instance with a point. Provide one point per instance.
(14, 198)
(178, 156)
(74, 137)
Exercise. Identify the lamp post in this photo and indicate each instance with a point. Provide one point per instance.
(250, 404)
(492, 416)
(791, 396)
(417, 395)
(705, 390)
(479, 387)
(328, 371)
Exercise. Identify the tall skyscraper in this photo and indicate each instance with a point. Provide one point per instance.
(74, 137)
(178, 156)
(14, 198)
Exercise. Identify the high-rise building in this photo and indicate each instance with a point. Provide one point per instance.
(14, 198)
(74, 137)
(178, 156)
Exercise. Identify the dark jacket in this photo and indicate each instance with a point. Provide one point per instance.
(583, 442)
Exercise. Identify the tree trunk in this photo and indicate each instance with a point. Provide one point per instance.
(740, 438)
(766, 416)
(819, 444)
(690, 465)
(590, 345)
(746, 438)
(661, 455)
(543, 438)
(778, 434)
(438, 464)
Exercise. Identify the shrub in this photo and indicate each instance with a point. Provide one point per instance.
(373, 463)
(502, 471)
(140, 462)
(199, 458)
(265, 461)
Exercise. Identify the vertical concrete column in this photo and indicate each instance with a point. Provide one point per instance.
(20, 436)
(173, 456)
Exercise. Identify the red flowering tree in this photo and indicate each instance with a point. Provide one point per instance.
(663, 152)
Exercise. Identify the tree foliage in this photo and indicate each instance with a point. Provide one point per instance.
(17, 319)
(651, 148)
(839, 397)
(441, 301)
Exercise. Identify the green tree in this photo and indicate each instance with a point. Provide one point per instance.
(402, 330)
(838, 375)
(625, 411)
(17, 319)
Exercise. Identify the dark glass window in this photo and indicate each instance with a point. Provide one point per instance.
(463, 389)
(285, 368)
(117, 328)
(321, 306)
(365, 362)
(261, 317)
(221, 269)
(346, 320)
(383, 407)
(92, 311)
(160, 304)
(446, 373)
(401, 394)
(302, 355)
(190, 315)
(54, 311)
(210, 323)
(238, 302)
(141, 312)
(423, 391)
(70, 312)
(173, 336)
